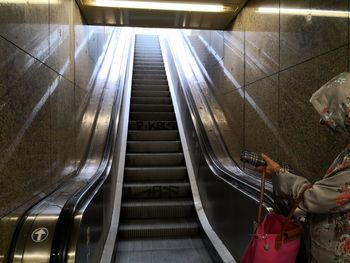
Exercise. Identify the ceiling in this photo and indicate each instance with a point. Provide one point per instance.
(96, 12)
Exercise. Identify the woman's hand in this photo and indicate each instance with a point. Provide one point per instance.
(271, 166)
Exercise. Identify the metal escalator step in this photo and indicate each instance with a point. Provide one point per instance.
(150, 81)
(151, 100)
(149, 93)
(153, 228)
(157, 208)
(155, 173)
(151, 108)
(152, 125)
(148, 87)
(155, 53)
(154, 159)
(147, 47)
(148, 64)
(159, 244)
(166, 135)
(149, 67)
(148, 60)
(152, 116)
(150, 53)
(149, 76)
(149, 71)
(153, 146)
(160, 189)
(144, 44)
(143, 57)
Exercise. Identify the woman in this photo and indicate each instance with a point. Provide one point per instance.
(327, 202)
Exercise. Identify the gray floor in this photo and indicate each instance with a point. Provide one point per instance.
(158, 250)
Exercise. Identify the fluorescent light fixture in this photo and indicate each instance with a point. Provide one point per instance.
(31, 2)
(173, 6)
(303, 12)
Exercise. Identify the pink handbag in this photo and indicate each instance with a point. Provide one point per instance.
(277, 238)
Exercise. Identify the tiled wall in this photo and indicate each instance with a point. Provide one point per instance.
(47, 60)
(265, 69)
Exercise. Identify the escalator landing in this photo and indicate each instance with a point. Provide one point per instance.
(163, 250)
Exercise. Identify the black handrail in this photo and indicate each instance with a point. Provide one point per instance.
(215, 165)
(66, 219)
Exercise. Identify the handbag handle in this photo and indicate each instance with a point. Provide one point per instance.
(262, 192)
(300, 198)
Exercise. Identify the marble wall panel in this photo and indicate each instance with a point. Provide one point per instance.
(234, 63)
(261, 117)
(310, 147)
(234, 51)
(217, 43)
(261, 40)
(306, 36)
(281, 59)
(25, 23)
(25, 127)
(234, 111)
(201, 48)
(61, 38)
(63, 130)
(83, 122)
(43, 100)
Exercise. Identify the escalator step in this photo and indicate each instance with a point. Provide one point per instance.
(154, 147)
(154, 159)
(149, 71)
(162, 189)
(166, 135)
(148, 60)
(158, 228)
(152, 116)
(155, 173)
(152, 125)
(149, 67)
(149, 93)
(148, 87)
(150, 100)
(149, 76)
(150, 81)
(151, 108)
(157, 208)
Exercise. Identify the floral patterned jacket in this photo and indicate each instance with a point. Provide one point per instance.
(327, 203)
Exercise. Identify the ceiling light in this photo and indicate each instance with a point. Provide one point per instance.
(216, 8)
(303, 12)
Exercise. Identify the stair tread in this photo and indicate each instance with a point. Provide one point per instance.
(180, 167)
(158, 223)
(157, 154)
(153, 142)
(157, 202)
(160, 183)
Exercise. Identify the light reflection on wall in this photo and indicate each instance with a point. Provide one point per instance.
(303, 12)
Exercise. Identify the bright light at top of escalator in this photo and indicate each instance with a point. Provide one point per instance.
(303, 12)
(172, 6)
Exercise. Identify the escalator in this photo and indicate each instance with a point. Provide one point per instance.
(151, 189)
(158, 220)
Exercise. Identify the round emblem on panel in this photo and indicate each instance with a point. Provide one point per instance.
(40, 234)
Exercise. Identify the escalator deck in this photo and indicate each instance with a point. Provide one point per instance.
(158, 219)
